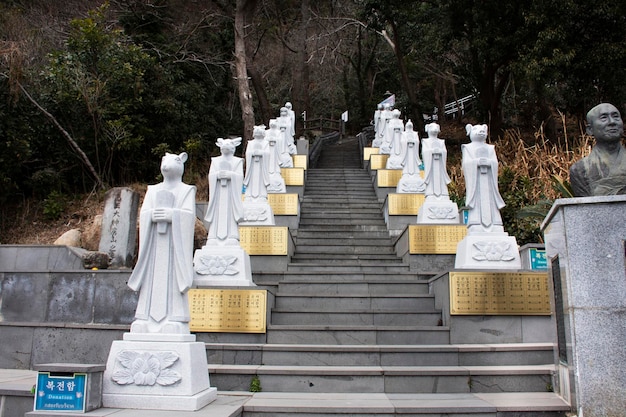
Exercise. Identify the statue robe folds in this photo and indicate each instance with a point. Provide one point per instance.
(257, 177)
(599, 174)
(164, 269)
(436, 177)
(225, 209)
(480, 167)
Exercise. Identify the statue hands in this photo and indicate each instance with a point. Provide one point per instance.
(162, 216)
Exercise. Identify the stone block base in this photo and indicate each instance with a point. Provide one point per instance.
(257, 213)
(488, 251)
(163, 375)
(222, 266)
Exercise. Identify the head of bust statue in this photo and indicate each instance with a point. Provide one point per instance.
(227, 146)
(258, 132)
(173, 166)
(432, 129)
(604, 123)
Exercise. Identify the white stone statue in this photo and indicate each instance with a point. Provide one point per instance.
(257, 210)
(486, 246)
(257, 176)
(225, 209)
(437, 208)
(411, 180)
(381, 130)
(393, 133)
(435, 155)
(164, 269)
(222, 260)
(480, 167)
(397, 150)
(292, 116)
(276, 151)
(376, 119)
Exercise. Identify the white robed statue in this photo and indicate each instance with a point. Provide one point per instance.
(164, 270)
(257, 176)
(480, 167)
(411, 180)
(225, 209)
(435, 155)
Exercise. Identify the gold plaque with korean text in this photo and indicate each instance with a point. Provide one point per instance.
(436, 239)
(399, 204)
(499, 293)
(378, 161)
(264, 240)
(300, 161)
(369, 151)
(283, 204)
(231, 311)
(388, 177)
(293, 176)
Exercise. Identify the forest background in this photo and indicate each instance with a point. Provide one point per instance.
(92, 94)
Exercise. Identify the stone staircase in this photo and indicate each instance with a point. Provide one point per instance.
(354, 331)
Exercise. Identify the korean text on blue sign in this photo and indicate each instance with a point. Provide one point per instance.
(60, 393)
(538, 259)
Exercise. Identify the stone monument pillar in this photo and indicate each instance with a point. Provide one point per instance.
(437, 208)
(222, 260)
(487, 246)
(584, 240)
(159, 365)
(119, 226)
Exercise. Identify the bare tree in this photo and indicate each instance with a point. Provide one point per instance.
(243, 10)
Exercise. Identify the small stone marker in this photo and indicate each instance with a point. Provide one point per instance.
(119, 226)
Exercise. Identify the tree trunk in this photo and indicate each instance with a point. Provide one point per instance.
(264, 104)
(301, 100)
(415, 112)
(241, 70)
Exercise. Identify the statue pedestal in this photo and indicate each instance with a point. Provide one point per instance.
(157, 372)
(438, 211)
(488, 251)
(584, 240)
(215, 265)
(257, 213)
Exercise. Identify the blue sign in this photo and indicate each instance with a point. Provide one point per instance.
(60, 393)
(465, 213)
(538, 259)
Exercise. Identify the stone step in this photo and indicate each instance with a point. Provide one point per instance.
(354, 287)
(354, 221)
(355, 318)
(339, 234)
(384, 379)
(282, 404)
(337, 258)
(346, 245)
(274, 278)
(347, 228)
(381, 355)
(321, 268)
(352, 302)
(341, 213)
(365, 335)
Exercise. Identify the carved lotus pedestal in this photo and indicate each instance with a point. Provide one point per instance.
(257, 213)
(157, 372)
(222, 266)
(438, 211)
(488, 251)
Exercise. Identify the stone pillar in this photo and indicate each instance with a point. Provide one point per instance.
(119, 226)
(584, 240)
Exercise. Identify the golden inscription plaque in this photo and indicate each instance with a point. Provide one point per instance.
(388, 177)
(264, 240)
(293, 176)
(499, 293)
(300, 161)
(283, 204)
(234, 311)
(437, 239)
(368, 151)
(378, 161)
(404, 204)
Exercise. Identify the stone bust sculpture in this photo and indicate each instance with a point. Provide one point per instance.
(603, 172)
